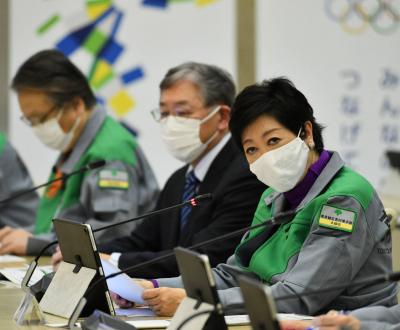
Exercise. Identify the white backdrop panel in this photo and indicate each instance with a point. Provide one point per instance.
(351, 80)
(153, 38)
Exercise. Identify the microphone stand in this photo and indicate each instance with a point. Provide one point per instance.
(88, 167)
(191, 202)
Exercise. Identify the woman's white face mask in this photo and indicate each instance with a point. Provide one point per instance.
(282, 168)
(51, 134)
(182, 136)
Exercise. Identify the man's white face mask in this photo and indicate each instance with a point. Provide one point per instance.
(282, 168)
(182, 136)
(51, 134)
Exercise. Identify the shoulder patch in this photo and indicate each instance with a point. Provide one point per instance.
(113, 179)
(337, 218)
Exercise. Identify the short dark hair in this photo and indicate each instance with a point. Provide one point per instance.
(280, 99)
(216, 84)
(53, 73)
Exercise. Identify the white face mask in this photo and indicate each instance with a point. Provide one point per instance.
(51, 134)
(182, 136)
(282, 168)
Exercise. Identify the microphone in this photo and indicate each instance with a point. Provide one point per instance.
(88, 167)
(193, 202)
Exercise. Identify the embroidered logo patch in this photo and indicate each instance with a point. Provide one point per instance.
(113, 179)
(336, 218)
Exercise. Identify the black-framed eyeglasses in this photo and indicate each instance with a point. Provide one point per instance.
(39, 120)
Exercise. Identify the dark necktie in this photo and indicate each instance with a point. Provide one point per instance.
(188, 193)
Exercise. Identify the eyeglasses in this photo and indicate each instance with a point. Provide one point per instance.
(180, 113)
(34, 121)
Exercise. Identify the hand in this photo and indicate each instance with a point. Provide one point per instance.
(164, 301)
(121, 302)
(14, 241)
(294, 325)
(335, 321)
(105, 256)
(145, 283)
(56, 258)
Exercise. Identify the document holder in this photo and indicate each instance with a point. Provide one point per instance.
(259, 304)
(81, 266)
(201, 309)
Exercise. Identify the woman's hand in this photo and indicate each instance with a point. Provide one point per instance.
(164, 301)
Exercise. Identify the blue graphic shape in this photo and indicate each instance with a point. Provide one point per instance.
(132, 75)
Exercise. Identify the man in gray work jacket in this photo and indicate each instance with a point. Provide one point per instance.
(59, 106)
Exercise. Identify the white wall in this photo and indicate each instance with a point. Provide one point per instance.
(155, 39)
(298, 40)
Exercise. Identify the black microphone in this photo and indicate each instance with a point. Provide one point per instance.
(88, 167)
(193, 202)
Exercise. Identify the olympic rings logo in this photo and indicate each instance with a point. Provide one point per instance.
(355, 16)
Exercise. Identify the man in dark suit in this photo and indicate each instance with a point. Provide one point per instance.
(194, 113)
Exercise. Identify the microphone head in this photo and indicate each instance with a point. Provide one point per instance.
(196, 200)
(394, 277)
(96, 164)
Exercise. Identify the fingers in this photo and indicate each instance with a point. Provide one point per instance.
(6, 248)
(150, 294)
(121, 302)
(4, 232)
(334, 321)
(56, 258)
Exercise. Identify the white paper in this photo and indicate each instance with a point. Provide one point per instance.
(293, 317)
(237, 319)
(244, 319)
(10, 258)
(133, 312)
(149, 324)
(122, 285)
(16, 275)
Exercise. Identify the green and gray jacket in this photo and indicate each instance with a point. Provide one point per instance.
(123, 188)
(14, 178)
(339, 236)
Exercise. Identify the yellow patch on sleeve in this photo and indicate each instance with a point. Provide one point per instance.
(337, 218)
(113, 179)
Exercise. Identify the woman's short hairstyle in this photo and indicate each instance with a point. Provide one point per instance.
(53, 73)
(279, 99)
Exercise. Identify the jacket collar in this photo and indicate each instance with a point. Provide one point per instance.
(89, 132)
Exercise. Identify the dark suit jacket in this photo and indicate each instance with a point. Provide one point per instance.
(236, 192)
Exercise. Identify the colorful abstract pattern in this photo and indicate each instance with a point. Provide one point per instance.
(163, 4)
(97, 36)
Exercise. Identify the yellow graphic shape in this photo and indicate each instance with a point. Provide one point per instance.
(204, 2)
(95, 8)
(103, 73)
(121, 103)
